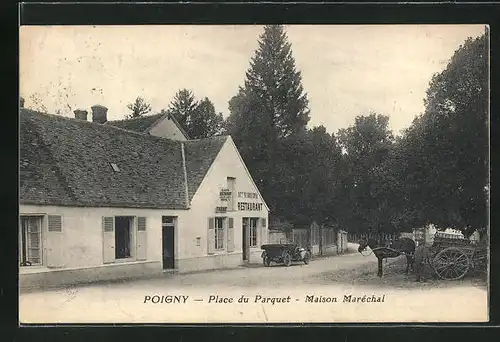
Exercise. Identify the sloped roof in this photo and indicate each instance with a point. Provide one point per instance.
(144, 123)
(66, 161)
(199, 156)
(140, 124)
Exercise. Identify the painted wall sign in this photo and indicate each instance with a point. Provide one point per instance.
(225, 194)
(220, 209)
(248, 195)
(245, 206)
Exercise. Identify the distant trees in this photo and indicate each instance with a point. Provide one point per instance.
(198, 118)
(366, 146)
(365, 178)
(138, 108)
(294, 167)
(36, 103)
(444, 153)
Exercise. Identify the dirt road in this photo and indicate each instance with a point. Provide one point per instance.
(336, 289)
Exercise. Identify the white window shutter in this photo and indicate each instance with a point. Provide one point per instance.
(141, 239)
(230, 235)
(211, 236)
(263, 231)
(54, 242)
(108, 241)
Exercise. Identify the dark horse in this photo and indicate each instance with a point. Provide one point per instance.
(403, 245)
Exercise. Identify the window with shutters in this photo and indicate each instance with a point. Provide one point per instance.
(219, 233)
(30, 240)
(253, 231)
(124, 235)
(124, 238)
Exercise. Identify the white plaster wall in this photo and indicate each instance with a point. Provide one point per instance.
(167, 129)
(227, 164)
(82, 227)
(82, 231)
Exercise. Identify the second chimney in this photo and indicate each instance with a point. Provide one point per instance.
(99, 114)
(80, 114)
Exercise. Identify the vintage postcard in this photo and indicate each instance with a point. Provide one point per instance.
(254, 174)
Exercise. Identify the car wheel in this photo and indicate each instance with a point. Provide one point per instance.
(267, 261)
(307, 257)
(287, 259)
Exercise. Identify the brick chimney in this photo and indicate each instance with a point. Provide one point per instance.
(81, 114)
(99, 114)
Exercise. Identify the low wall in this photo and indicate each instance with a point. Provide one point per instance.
(211, 262)
(50, 278)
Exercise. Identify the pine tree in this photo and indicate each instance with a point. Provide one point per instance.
(269, 107)
(198, 118)
(277, 84)
(183, 106)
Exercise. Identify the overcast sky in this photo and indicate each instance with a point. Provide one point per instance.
(346, 70)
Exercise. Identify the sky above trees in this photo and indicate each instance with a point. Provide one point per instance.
(346, 70)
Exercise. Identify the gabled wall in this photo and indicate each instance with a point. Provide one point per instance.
(227, 164)
(166, 128)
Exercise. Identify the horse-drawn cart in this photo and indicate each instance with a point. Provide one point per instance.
(452, 257)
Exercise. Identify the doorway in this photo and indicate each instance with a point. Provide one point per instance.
(246, 239)
(168, 241)
(123, 237)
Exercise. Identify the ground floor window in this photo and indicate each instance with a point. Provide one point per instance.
(253, 231)
(219, 233)
(30, 240)
(123, 237)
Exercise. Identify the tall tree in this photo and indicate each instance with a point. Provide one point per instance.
(204, 121)
(366, 146)
(269, 107)
(198, 118)
(447, 175)
(183, 106)
(138, 108)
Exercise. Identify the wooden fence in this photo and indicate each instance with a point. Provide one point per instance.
(385, 239)
(321, 241)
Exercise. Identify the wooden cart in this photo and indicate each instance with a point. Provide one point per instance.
(452, 257)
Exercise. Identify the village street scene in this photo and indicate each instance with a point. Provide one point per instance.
(254, 174)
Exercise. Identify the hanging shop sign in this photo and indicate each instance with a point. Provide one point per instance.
(225, 195)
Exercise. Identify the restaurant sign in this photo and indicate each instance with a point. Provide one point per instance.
(246, 206)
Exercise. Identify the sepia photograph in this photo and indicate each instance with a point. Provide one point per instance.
(241, 174)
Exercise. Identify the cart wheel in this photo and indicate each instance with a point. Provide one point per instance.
(267, 261)
(287, 259)
(307, 257)
(451, 264)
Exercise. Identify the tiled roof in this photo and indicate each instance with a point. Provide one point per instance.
(143, 123)
(66, 161)
(140, 124)
(199, 156)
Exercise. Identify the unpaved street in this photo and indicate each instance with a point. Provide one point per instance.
(274, 294)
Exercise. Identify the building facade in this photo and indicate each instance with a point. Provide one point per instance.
(100, 202)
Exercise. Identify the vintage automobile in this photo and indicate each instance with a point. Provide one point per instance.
(284, 254)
